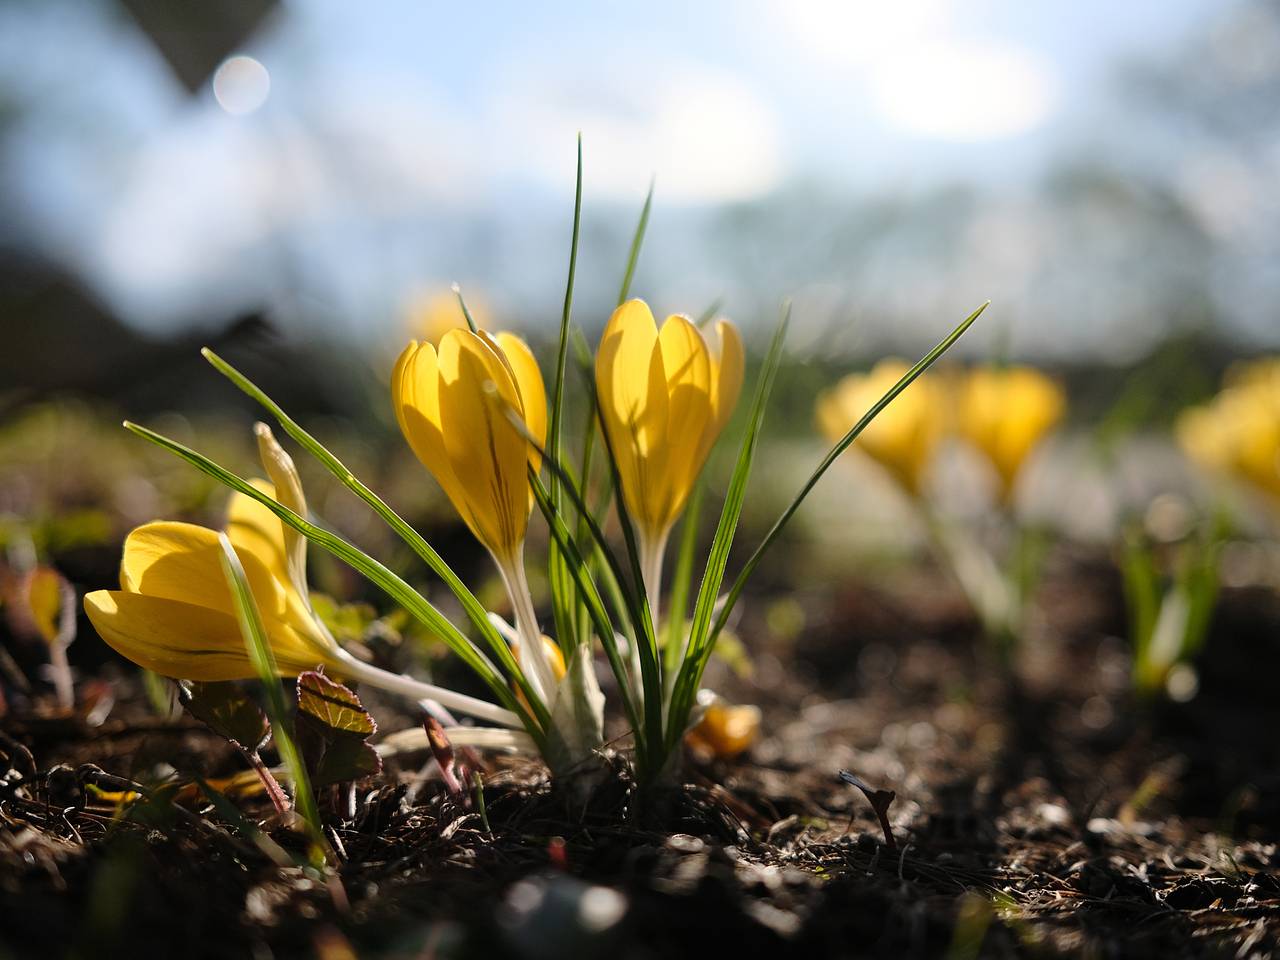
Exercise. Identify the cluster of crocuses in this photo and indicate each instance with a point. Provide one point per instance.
(1003, 412)
(474, 408)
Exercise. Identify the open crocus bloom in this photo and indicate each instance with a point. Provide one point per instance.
(450, 405)
(1005, 412)
(664, 396)
(904, 436)
(174, 613)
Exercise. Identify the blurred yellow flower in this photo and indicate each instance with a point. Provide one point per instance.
(430, 316)
(904, 436)
(449, 405)
(1005, 412)
(725, 730)
(1238, 431)
(665, 395)
(174, 612)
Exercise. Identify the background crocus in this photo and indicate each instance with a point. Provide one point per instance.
(1005, 412)
(664, 397)
(904, 437)
(1238, 432)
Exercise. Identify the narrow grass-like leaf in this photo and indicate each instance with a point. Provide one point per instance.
(908, 378)
(466, 314)
(709, 314)
(637, 604)
(474, 610)
(681, 581)
(563, 599)
(701, 639)
(589, 593)
(570, 486)
(637, 241)
(391, 584)
(264, 663)
(645, 637)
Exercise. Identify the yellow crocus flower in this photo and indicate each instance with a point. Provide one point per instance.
(903, 437)
(453, 404)
(1005, 412)
(445, 402)
(664, 397)
(1238, 431)
(174, 613)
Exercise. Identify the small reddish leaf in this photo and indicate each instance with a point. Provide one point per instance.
(331, 728)
(333, 704)
(451, 772)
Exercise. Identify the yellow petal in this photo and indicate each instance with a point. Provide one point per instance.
(181, 561)
(687, 369)
(415, 388)
(189, 642)
(904, 436)
(488, 454)
(728, 363)
(529, 385)
(288, 491)
(254, 529)
(1005, 413)
(729, 370)
(631, 384)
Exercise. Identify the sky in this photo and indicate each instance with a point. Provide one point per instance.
(368, 151)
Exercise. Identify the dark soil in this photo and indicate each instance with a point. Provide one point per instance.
(1041, 812)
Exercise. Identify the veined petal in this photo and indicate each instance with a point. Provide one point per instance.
(415, 394)
(727, 372)
(181, 561)
(687, 369)
(529, 385)
(190, 642)
(488, 454)
(728, 361)
(631, 384)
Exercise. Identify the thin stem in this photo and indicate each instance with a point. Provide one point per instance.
(651, 554)
(532, 654)
(418, 690)
(279, 799)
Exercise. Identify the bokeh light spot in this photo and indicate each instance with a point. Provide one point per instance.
(241, 85)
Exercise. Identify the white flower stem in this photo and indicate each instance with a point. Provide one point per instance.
(652, 550)
(533, 657)
(418, 690)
